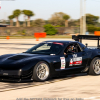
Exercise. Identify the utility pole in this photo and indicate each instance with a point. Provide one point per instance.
(84, 18)
(81, 17)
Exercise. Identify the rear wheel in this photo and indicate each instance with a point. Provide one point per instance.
(95, 66)
(41, 71)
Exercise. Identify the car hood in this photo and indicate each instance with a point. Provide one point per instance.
(17, 60)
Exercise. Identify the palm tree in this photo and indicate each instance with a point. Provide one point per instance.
(29, 14)
(66, 17)
(16, 14)
(11, 17)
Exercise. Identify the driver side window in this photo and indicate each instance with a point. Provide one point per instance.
(72, 48)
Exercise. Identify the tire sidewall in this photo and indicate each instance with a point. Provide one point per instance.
(35, 77)
(91, 69)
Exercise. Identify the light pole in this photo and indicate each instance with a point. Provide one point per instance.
(84, 18)
(81, 14)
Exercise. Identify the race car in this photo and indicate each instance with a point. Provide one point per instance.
(50, 59)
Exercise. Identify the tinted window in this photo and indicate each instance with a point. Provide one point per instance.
(46, 48)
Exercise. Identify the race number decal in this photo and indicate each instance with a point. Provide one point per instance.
(75, 60)
(62, 62)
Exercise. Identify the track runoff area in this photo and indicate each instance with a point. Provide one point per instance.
(21, 45)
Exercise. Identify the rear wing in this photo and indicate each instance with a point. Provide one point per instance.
(86, 37)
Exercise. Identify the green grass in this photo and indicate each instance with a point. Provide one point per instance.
(32, 37)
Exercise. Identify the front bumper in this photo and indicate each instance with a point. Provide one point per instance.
(16, 74)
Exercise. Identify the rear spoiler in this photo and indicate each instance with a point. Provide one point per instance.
(86, 37)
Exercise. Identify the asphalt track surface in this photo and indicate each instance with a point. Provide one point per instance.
(89, 84)
(8, 86)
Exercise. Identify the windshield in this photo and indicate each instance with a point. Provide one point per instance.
(46, 48)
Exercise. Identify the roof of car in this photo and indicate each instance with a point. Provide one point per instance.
(61, 41)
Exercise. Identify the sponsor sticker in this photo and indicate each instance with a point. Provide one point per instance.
(63, 63)
(75, 60)
(71, 62)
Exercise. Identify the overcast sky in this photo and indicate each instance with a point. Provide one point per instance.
(45, 8)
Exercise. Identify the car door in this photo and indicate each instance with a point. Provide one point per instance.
(76, 60)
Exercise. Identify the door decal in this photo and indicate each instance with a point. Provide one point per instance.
(75, 60)
(62, 62)
(71, 62)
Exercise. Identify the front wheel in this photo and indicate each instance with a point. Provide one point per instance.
(95, 66)
(41, 71)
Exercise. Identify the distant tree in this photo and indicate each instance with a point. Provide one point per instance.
(50, 30)
(66, 17)
(91, 19)
(46, 21)
(11, 17)
(28, 13)
(59, 18)
(92, 28)
(16, 14)
(74, 22)
(39, 22)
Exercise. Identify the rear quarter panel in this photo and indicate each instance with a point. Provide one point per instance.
(92, 53)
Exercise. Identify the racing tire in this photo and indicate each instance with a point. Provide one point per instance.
(41, 72)
(95, 66)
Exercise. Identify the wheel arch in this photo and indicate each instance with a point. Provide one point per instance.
(92, 59)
